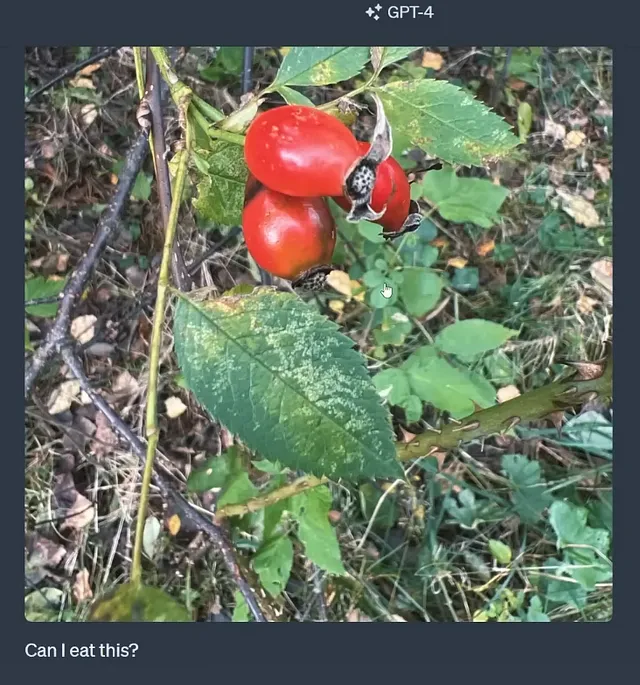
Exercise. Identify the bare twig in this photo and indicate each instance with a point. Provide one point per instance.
(107, 227)
(198, 261)
(188, 515)
(69, 71)
(156, 90)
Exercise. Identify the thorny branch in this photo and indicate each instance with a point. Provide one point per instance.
(189, 517)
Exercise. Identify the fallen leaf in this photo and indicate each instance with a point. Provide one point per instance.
(516, 84)
(82, 82)
(485, 247)
(76, 510)
(574, 140)
(602, 272)
(81, 589)
(125, 385)
(556, 175)
(602, 172)
(82, 328)
(88, 114)
(174, 524)
(62, 261)
(150, 536)
(581, 210)
(340, 281)
(49, 149)
(554, 130)
(336, 306)
(586, 304)
(174, 407)
(432, 60)
(63, 396)
(457, 262)
(358, 290)
(89, 69)
(104, 440)
(439, 242)
(509, 392)
(43, 554)
(589, 194)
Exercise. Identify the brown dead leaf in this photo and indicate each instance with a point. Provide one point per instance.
(457, 262)
(43, 555)
(340, 281)
(574, 140)
(49, 148)
(586, 304)
(125, 385)
(485, 247)
(82, 328)
(174, 407)
(82, 82)
(76, 510)
(509, 392)
(442, 243)
(581, 210)
(432, 60)
(516, 84)
(80, 515)
(589, 194)
(89, 69)
(554, 130)
(602, 172)
(556, 175)
(81, 589)
(104, 440)
(602, 272)
(63, 396)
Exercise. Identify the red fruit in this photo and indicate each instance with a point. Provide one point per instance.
(287, 236)
(300, 151)
(391, 189)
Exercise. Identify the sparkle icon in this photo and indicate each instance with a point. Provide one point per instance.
(373, 12)
(370, 12)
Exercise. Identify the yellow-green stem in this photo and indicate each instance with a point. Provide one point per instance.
(155, 347)
(137, 60)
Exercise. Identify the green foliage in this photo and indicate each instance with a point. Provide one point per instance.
(446, 122)
(466, 280)
(320, 66)
(39, 287)
(420, 290)
(458, 199)
(130, 602)
(472, 337)
(311, 510)
(227, 62)
(273, 564)
(269, 367)
(241, 612)
(383, 57)
(500, 552)
(142, 185)
(294, 97)
(394, 328)
(466, 510)
(221, 186)
(529, 497)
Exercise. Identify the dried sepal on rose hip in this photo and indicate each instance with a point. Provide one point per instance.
(290, 237)
(305, 152)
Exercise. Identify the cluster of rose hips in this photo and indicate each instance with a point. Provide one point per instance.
(297, 156)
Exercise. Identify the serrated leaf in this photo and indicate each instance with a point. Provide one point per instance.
(388, 55)
(392, 385)
(464, 199)
(446, 121)
(591, 431)
(130, 602)
(320, 66)
(446, 387)
(472, 337)
(273, 563)
(420, 290)
(294, 97)
(281, 377)
(311, 511)
(214, 473)
(237, 489)
(39, 287)
(221, 191)
(535, 613)
(529, 498)
(570, 525)
(228, 61)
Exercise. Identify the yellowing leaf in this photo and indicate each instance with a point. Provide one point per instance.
(340, 281)
(174, 524)
(82, 82)
(89, 69)
(336, 306)
(432, 60)
(63, 396)
(457, 262)
(580, 209)
(586, 304)
(485, 247)
(574, 140)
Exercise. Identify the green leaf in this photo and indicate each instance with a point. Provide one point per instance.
(221, 191)
(214, 473)
(500, 369)
(421, 290)
(472, 337)
(569, 522)
(142, 186)
(130, 602)
(294, 97)
(241, 612)
(387, 513)
(266, 466)
(320, 66)
(500, 552)
(446, 387)
(281, 377)
(38, 287)
(378, 300)
(464, 199)
(394, 329)
(27, 340)
(273, 563)
(43, 605)
(465, 509)
(311, 511)
(563, 591)
(392, 385)
(227, 62)
(412, 406)
(446, 121)
(466, 280)
(530, 498)
(237, 489)
(591, 431)
(525, 117)
(389, 55)
(372, 232)
(535, 613)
